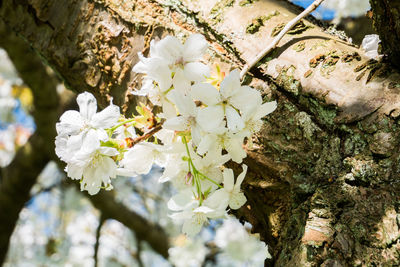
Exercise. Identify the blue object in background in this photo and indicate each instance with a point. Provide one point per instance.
(320, 12)
(20, 117)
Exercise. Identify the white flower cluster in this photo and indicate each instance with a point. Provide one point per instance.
(370, 44)
(347, 8)
(227, 248)
(230, 238)
(82, 143)
(205, 122)
(188, 252)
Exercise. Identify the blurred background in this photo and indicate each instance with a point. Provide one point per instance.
(61, 226)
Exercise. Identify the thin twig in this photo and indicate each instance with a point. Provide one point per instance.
(276, 40)
(147, 135)
(97, 244)
(139, 251)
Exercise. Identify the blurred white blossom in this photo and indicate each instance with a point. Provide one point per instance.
(370, 44)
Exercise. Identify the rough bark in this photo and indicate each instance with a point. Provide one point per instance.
(386, 17)
(323, 183)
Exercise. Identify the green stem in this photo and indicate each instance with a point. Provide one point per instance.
(112, 129)
(211, 180)
(196, 173)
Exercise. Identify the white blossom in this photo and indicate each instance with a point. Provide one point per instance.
(93, 164)
(232, 143)
(73, 122)
(187, 208)
(230, 238)
(231, 193)
(172, 63)
(190, 253)
(205, 125)
(370, 44)
(140, 158)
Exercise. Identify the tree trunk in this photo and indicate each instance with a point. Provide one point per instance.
(322, 188)
(386, 17)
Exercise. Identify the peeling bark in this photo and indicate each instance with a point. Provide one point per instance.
(323, 183)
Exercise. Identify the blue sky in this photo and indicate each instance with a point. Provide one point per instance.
(326, 13)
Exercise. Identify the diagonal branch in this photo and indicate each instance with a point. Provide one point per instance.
(143, 229)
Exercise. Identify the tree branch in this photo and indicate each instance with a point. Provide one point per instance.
(97, 244)
(18, 178)
(143, 229)
(276, 40)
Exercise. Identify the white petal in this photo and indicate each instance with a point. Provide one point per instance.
(194, 48)
(139, 159)
(184, 215)
(235, 149)
(184, 103)
(206, 143)
(87, 105)
(93, 189)
(110, 166)
(206, 93)
(237, 200)
(168, 108)
(196, 134)
(180, 201)
(265, 109)
(240, 178)
(90, 141)
(70, 123)
(61, 147)
(246, 98)
(176, 123)
(166, 136)
(156, 69)
(235, 123)
(219, 200)
(230, 84)
(147, 87)
(74, 171)
(203, 209)
(196, 71)
(210, 118)
(228, 179)
(102, 135)
(108, 151)
(169, 48)
(170, 171)
(193, 226)
(106, 118)
(74, 143)
(180, 82)
(370, 44)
